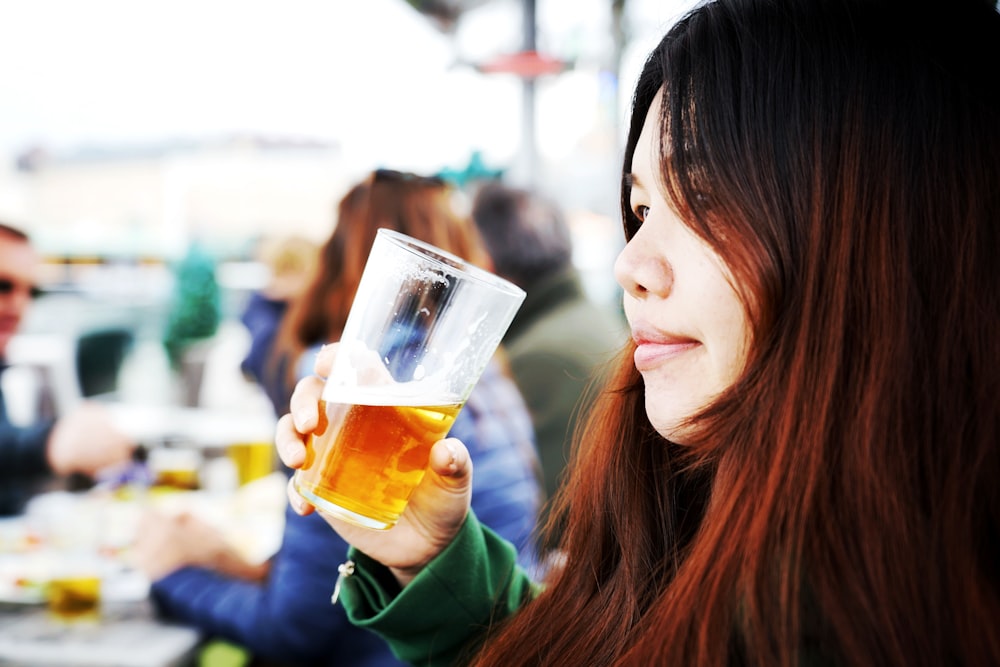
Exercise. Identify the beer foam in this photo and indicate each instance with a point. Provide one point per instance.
(410, 394)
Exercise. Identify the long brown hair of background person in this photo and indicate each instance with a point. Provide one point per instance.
(423, 207)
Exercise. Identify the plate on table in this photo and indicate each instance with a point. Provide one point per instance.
(23, 578)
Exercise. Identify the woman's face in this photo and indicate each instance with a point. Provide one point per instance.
(689, 326)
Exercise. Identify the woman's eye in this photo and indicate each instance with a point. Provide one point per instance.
(634, 221)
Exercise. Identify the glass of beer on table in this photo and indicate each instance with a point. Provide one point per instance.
(422, 328)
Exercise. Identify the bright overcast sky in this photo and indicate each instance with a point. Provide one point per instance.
(371, 73)
(122, 70)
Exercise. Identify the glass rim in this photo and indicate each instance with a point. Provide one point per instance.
(449, 262)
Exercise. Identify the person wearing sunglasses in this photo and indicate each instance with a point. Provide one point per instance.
(81, 441)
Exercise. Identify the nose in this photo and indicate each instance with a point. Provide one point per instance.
(15, 303)
(641, 270)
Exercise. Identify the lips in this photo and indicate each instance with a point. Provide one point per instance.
(654, 347)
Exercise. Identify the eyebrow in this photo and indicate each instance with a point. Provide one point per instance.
(631, 180)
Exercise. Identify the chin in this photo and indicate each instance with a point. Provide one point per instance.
(668, 427)
(671, 426)
(676, 435)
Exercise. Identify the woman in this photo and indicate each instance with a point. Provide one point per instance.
(797, 461)
(281, 612)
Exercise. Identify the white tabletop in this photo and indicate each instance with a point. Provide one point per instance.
(126, 636)
(128, 633)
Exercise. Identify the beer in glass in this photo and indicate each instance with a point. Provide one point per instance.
(422, 328)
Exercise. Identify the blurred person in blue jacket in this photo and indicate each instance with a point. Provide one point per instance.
(82, 441)
(291, 262)
(281, 611)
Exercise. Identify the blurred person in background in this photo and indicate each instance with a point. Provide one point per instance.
(291, 262)
(84, 440)
(282, 612)
(560, 338)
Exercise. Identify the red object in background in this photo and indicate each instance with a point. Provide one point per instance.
(526, 64)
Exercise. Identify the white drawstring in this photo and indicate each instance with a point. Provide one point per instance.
(344, 570)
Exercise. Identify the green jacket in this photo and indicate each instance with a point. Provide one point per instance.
(439, 617)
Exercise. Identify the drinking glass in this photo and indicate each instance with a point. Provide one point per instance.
(421, 330)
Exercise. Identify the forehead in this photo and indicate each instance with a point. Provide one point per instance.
(646, 157)
(18, 259)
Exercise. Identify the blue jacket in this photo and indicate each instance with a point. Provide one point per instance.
(262, 318)
(289, 618)
(23, 459)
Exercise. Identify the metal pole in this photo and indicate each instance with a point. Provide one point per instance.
(530, 26)
(528, 139)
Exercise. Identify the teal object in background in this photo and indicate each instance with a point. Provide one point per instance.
(195, 310)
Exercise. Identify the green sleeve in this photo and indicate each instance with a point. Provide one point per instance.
(475, 581)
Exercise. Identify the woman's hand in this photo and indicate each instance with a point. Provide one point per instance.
(436, 509)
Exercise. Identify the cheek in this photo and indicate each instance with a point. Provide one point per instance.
(727, 329)
(673, 397)
(734, 345)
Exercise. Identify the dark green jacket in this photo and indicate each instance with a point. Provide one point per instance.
(441, 616)
(438, 617)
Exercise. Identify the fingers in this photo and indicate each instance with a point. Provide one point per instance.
(305, 403)
(292, 428)
(324, 359)
(298, 503)
(289, 442)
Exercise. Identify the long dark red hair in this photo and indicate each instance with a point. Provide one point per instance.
(841, 501)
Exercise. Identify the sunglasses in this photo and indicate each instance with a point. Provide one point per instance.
(8, 286)
(393, 176)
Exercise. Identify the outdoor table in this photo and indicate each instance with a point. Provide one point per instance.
(127, 631)
(127, 635)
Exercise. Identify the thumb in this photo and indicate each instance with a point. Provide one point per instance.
(451, 463)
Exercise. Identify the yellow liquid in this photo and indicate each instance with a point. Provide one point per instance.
(364, 461)
(75, 598)
(184, 480)
(253, 460)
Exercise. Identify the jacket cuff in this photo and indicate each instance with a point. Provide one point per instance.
(473, 582)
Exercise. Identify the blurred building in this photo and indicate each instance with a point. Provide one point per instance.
(147, 203)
